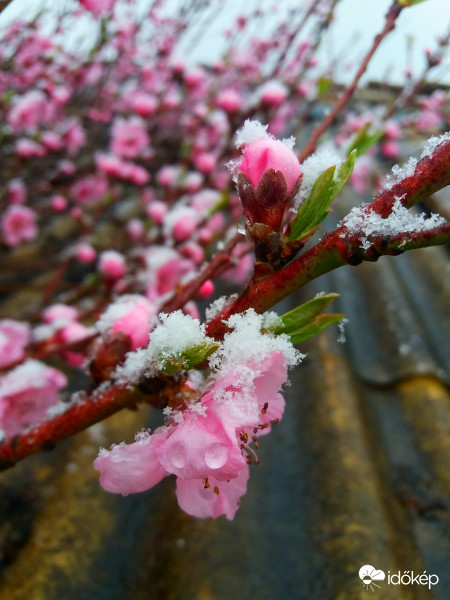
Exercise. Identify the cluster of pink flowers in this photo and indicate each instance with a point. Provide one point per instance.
(206, 442)
(115, 165)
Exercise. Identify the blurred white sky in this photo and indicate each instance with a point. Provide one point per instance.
(356, 24)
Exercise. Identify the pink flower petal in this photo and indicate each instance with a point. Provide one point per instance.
(202, 502)
(128, 469)
(200, 447)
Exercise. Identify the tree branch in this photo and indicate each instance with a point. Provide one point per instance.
(389, 25)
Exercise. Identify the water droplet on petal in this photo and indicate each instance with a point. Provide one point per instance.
(177, 455)
(216, 455)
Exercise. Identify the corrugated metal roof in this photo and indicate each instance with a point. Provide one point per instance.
(356, 473)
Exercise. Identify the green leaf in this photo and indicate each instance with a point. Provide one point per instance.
(188, 358)
(221, 204)
(316, 206)
(306, 320)
(323, 85)
(410, 2)
(364, 140)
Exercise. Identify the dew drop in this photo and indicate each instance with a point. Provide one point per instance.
(177, 455)
(216, 455)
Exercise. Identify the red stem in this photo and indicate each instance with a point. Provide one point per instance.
(389, 25)
(430, 175)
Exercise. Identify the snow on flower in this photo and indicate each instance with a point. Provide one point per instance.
(206, 441)
(26, 394)
(268, 153)
(130, 314)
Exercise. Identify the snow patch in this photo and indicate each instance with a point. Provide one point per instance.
(365, 223)
(314, 166)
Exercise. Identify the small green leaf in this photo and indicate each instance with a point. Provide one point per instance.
(410, 2)
(188, 358)
(323, 85)
(316, 206)
(221, 204)
(364, 140)
(306, 320)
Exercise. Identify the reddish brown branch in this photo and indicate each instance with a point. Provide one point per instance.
(389, 25)
(339, 248)
(75, 419)
(336, 249)
(221, 261)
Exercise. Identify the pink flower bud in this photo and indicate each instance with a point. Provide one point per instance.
(58, 203)
(268, 153)
(111, 264)
(85, 253)
(205, 162)
(135, 229)
(157, 210)
(16, 191)
(229, 100)
(206, 289)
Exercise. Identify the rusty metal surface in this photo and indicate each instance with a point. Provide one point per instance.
(356, 473)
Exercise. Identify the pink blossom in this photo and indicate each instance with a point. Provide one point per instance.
(61, 94)
(143, 104)
(129, 137)
(135, 229)
(181, 222)
(16, 190)
(392, 130)
(30, 110)
(26, 148)
(168, 175)
(273, 93)
(134, 467)
(268, 153)
(212, 498)
(193, 251)
(98, 7)
(193, 181)
(73, 333)
(130, 314)
(74, 137)
(26, 394)
(157, 210)
(205, 162)
(229, 100)
(111, 264)
(85, 253)
(390, 149)
(18, 225)
(207, 289)
(58, 203)
(52, 141)
(14, 337)
(88, 189)
(60, 312)
(205, 445)
(428, 119)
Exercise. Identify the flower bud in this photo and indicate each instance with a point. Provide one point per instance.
(268, 176)
(268, 153)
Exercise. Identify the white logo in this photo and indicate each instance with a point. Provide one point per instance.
(369, 575)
